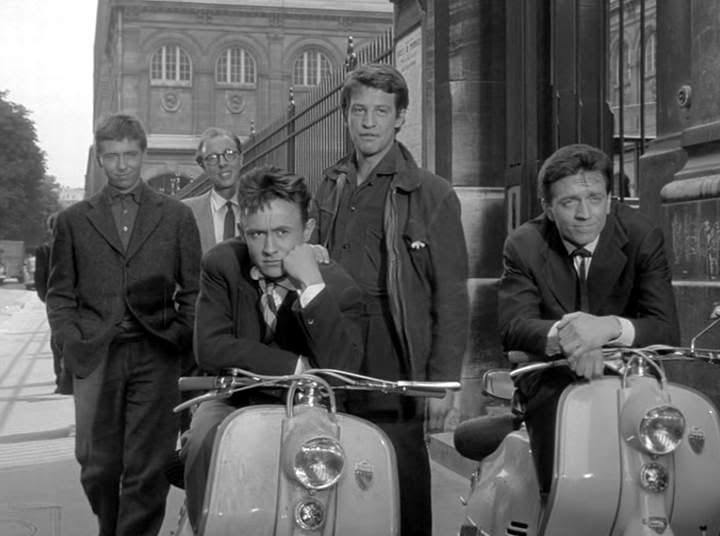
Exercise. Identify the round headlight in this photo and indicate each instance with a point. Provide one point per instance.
(319, 463)
(661, 429)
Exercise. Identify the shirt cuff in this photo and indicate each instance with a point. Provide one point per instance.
(552, 347)
(627, 333)
(307, 295)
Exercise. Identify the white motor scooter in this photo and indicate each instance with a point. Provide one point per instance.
(635, 455)
(302, 469)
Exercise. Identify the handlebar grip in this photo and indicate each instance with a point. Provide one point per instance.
(427, 389)
(197, 383)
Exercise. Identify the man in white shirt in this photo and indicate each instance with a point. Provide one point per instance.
(216, 212)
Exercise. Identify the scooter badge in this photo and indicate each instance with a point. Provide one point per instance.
(364, 474)
(696, 439)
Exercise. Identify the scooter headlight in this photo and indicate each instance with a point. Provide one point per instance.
(319, 463)
(661, 429)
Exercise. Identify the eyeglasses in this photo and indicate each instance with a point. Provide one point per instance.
(213, 159)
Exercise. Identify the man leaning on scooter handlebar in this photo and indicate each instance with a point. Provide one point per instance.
(589, 272)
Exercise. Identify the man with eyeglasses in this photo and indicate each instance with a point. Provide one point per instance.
(124, 273)
(216, 212)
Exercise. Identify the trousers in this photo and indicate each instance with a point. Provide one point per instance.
(126, 433)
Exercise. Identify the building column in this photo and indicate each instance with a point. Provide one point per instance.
(681, 171)
(463, 109)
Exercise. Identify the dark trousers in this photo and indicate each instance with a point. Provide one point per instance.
(400, 417)
(126, 434)
(413, 464)
(540, 392)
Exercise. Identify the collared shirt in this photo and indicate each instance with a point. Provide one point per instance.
(358, 243)
(124, 207)
(218, 206)
(283, 286)
(279, 291)
(627, 330)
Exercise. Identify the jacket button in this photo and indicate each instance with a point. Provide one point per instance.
(311, 321)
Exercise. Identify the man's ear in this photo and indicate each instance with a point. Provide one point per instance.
(400, 119)
(309, 228)
(547, 209)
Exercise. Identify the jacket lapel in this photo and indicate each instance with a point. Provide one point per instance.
(608, 262)
(148, 217)
(100, 216)
(558, 269)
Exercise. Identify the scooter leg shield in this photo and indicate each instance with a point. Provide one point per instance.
(587, 473)
(505, 497)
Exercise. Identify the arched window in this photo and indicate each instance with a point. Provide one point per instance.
(650, 49)
(170, 64)
(235, 66)
(311, 67)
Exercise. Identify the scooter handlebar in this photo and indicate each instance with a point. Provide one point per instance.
(198, 383)
(427, 389)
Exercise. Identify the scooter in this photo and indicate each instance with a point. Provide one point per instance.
(635, 455)
(304, 468)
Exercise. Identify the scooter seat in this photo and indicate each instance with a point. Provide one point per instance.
(480, 436)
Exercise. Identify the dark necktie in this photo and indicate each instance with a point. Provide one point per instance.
(581, 288)
(229, 225)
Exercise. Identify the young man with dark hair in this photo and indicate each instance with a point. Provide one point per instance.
(219, 154)
(124, 272)
(587, 273)
(396, 229)
(268, 306)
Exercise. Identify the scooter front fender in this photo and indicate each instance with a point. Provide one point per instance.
(249, 492)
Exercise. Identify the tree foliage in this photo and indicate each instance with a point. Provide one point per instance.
(27, 194)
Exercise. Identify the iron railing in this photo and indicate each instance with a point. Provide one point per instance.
(310, 135)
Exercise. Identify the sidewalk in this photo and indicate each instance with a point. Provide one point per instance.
(40, 491)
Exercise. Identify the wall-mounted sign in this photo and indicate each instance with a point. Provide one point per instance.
(408, 60)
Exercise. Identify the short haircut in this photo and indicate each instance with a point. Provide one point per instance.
(118, 127)
(261, 185)
(214, 132)
(571, 160)
(379, 76)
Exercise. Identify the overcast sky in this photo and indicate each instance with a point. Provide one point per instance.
(46, 54)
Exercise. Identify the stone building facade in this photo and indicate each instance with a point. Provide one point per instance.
(182, 66)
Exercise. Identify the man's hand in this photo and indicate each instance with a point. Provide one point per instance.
(589, 365)
(301, 266)
(581, 333)
(321, 254)
(437, 410)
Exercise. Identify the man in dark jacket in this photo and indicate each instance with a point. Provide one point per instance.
(268, 306)
(588, 273)
(63, 378)
(123, 282)
(396, 228)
